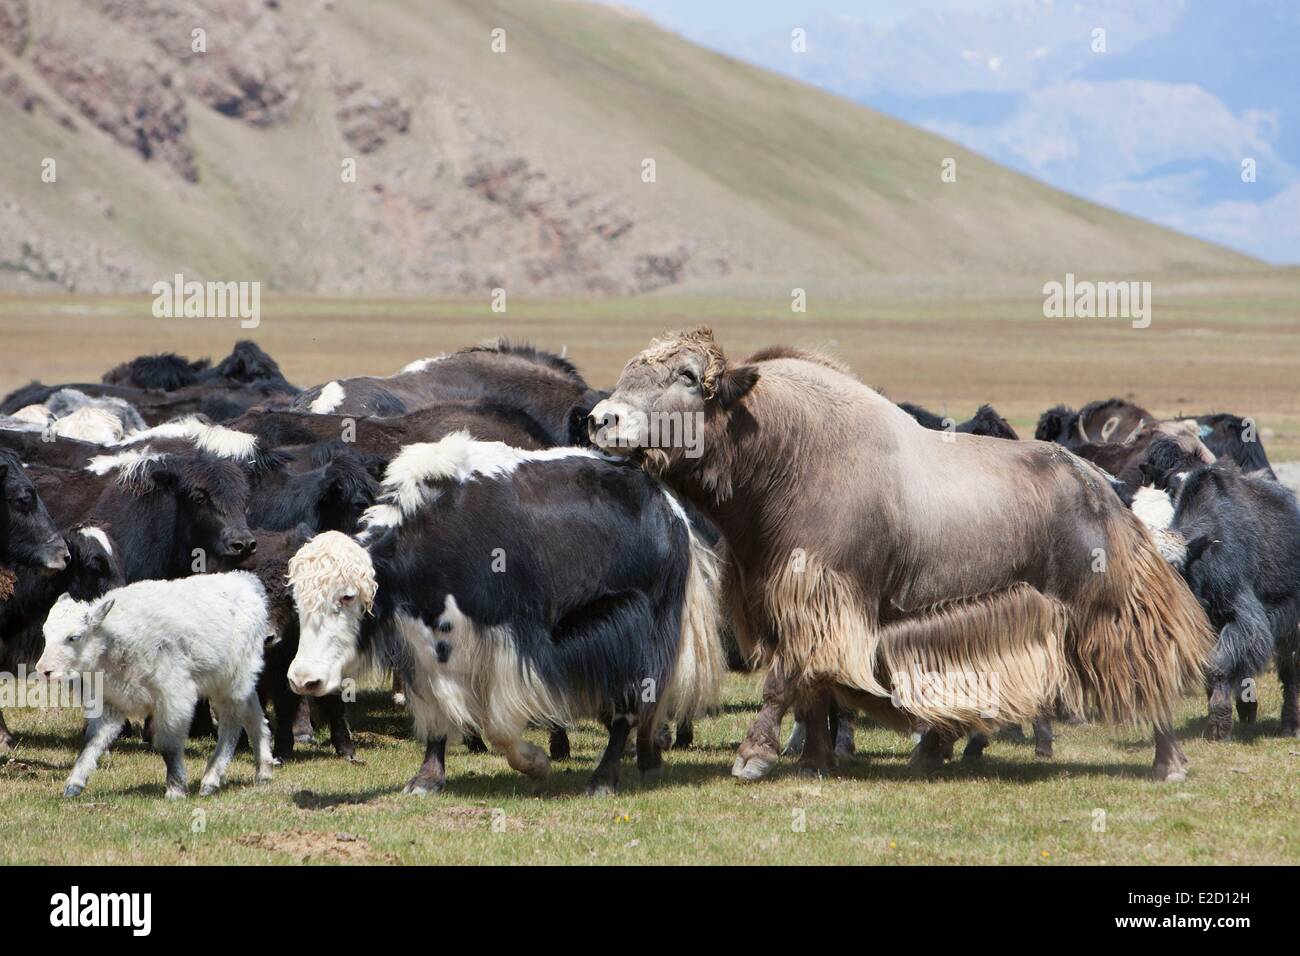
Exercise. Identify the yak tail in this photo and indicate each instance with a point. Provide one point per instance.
(1139, 639)
(701, 662)
(980, 662)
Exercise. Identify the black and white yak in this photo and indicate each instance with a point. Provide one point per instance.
(512, 588)
(1239, 537)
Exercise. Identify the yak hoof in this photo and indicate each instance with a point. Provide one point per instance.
(652, 775)
(1169, 774)
(1216, 730)
(925, 761)
(422, 787)
(72, 790)
(7, 743)
(1043, 752)
(175, 793)
(601, 789)
(539, 768)
(207, 790)
(754, 768)
(304, 738)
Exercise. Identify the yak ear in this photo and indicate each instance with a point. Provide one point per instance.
(735, 383)
(100, 612)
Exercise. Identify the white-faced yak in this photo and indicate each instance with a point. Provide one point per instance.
(511, 588)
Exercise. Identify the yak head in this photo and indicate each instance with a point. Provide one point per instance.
(27, 533)
(665, 393)
(75, 639)
(334, 586)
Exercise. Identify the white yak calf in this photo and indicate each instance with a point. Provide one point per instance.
(161, 646)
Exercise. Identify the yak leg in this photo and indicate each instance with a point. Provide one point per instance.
(7, 741)
(474, 744)
(101, 731)
(649, 750)
(172, 717)
(227, 740)
(818, 757)
(1288, 671)
(935, 747)
(1247, 710)
(975, 745)
(285, 702)
(604, 780)
(1043, 738)
(1171, 763)
(399, 690)
(432, 775)
(253, 717)
(1220, 711)
(1246, 644)
(559, 744)
(303, 732)
(334, 710)
(843, 724)
(685, 735)
(759, 750)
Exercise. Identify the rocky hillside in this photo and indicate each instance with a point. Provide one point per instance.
(409, 147)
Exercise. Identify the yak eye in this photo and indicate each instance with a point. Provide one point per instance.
(688, 376)
(199, 496)
(347, 598)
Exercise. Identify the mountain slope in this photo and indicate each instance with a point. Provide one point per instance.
(476, 169)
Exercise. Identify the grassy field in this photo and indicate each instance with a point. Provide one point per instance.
(1226, 343)
(1092, 804)
(1214, 343)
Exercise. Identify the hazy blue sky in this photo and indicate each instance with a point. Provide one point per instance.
(1158, 124)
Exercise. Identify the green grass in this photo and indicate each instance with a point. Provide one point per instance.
(1237, 805)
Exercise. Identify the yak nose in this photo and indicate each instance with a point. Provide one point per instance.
(241, 544)
(304, 682)
(58, 556)
(603, 422)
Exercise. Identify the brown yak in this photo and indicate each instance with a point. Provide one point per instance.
(874, 557)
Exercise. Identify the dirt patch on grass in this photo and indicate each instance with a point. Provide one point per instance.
(308, 847)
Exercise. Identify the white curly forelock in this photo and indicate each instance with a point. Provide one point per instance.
(329, 563)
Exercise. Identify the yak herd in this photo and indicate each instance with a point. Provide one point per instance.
(521, 550)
